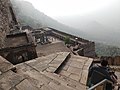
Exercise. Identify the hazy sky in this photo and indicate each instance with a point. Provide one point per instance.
(55, 8)
(89, 16)
(107, 12)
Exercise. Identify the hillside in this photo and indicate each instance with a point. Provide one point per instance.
(106, 50)
(28, 15)
(94, 29)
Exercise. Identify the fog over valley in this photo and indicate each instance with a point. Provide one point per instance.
(102, 26)
(95, 20)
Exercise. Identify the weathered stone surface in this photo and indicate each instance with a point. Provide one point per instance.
(65, 73)
(5, 65)
(46, 87)
(67, 82)
(26, 85)
(75, 77)
(35, 77)
(9, 80)
(74, 70)
(49, 63)
(84, 76)
(42, 80)
(58, 86)
(51, 69)
(30, 74)
(51, 48)
(42, 60)
(59, 59)
(77, 68)
(65, 67)
(76, 64)
(6, 20)
(74, 84)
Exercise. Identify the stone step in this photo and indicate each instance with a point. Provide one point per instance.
(49, 63)
(39, 80)
(76, 68)
(5, 65)
(57, 62)
(73, 77)
(9, 79)
(67, 82)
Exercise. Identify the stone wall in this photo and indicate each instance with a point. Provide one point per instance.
(7, 20)
(87, 46)
(112, 60)
(89, 50)
(71, 36)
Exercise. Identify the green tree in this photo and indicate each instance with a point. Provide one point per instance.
(67, 40)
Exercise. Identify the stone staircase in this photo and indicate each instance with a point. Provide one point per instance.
(67, 82)
(59, 71)
(49, 63)
(45, 79)
(76, 68)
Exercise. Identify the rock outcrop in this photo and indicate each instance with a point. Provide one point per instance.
(7, 20)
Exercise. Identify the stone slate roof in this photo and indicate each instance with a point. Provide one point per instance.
(58, 71)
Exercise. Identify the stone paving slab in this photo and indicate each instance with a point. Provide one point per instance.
(58, 86)
(50, 62)
(5, 65)
(65, 73)
(38, 74)
(26, 85)
(75, 77)
(77, 68)
(42, 60)
(9, 79)
(51, 48)
(76, 64)
(42, 63)
(51, 69)
(71, 84)
(84, 75)
(34, 76)
(65, 67)
(41, 80)
(46, 87)
(74, 70)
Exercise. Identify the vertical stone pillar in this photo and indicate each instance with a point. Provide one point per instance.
(4, 21)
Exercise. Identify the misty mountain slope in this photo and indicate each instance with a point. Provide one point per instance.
(106, 50)
(28, 15)
(87, 28)
(94, 29)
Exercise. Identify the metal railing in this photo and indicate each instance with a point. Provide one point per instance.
(103, 82)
